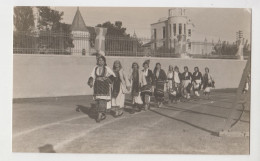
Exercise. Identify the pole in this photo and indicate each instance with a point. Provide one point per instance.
(229, 120)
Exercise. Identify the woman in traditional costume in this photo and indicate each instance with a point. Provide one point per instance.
(121, 86)
(146, 90)
(177, 83)
(170, 83)
(159, 80)
(196, 81)
(101, 78)
(186, 82)
(208, 82)
(137, 81)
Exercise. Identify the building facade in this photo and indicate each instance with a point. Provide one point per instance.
(176, 34)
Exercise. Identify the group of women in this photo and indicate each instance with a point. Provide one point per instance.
(111, 85)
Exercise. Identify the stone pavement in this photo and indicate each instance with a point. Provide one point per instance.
(66, 125)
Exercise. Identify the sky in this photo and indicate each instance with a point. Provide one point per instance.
(210, 23)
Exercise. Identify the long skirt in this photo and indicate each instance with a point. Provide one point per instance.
(119, 101)
(159, 91)
(137, 98)
(207, 87)
(101, 88)
(175, 90)
(101, 105)
(186, 84)
(196, 85)
(102, 95)
(146, 92)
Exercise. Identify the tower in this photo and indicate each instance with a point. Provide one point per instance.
(173, 32)
(81, 35)
(180, 28)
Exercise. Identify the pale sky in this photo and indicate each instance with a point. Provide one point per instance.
(212, 23)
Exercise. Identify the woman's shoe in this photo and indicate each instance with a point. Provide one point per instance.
(132, 111)
(98, 119)
(120, 112)
(108, 111)
(138, 108)
(115, 112)
(146, 107)
(160, 105)
(103, 116)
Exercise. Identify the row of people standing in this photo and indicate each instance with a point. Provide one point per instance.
(181, 84)
(110, 86)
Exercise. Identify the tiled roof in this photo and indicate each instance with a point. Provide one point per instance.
(78, 23)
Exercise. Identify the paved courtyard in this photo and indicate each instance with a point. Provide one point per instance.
(66, 125)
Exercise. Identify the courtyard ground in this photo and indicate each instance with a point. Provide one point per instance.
(66, 125)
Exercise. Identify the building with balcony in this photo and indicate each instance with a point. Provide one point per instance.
(176, 33)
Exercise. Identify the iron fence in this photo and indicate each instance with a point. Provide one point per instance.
(47, 42)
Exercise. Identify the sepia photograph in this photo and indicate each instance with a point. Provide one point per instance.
(131, 80)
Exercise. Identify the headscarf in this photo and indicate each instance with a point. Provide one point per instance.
(146, 62)
(101, 57)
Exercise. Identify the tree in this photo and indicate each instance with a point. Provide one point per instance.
(53, 33)
(114, 29)
(225, 49)
(49, 18)
(23, 25)
(23, 18)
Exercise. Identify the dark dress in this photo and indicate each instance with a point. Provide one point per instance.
(177, 86)
(101, 88)
(206, 83)
(147, 89)
(187, 77)
(197, 76)
(116, 85)
(101, 84)
(159, 85)
(136, 83)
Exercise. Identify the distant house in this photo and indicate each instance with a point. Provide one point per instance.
(177, 32)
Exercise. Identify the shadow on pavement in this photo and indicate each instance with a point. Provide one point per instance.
(188, 123)
(191, 111)
(47, 148)
(90, 111)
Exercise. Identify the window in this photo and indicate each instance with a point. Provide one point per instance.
(189, 32)
(184, 29)
(164, 32)
(170, 29)
(164, 44)
(180, 29)
(174, 29)
(189, 45)
(154, 33)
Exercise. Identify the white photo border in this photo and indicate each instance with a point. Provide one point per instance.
(6, 71)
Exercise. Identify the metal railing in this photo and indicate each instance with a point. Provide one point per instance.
(42, 43)
(47, 42)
